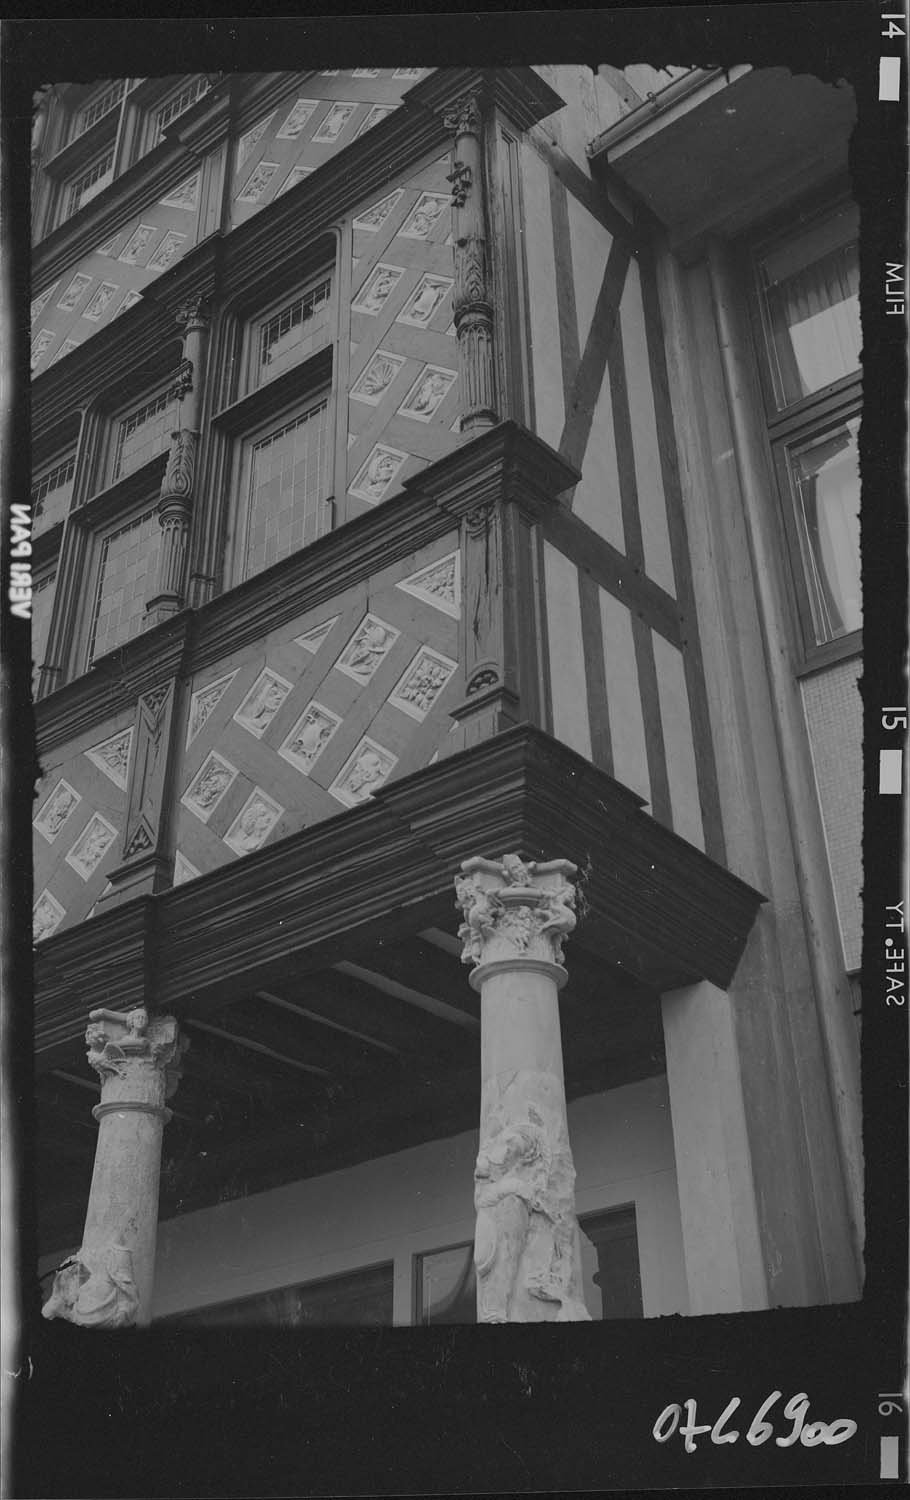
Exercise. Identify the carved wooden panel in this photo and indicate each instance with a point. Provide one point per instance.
(403, 385)
(79, 813)
(320, 713)
(149, 770)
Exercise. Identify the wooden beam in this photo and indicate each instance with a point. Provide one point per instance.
(246, 1044)
(380, 981)
(322, 1020)
(425, 968)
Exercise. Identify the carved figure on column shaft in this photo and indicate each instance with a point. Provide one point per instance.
(509, 1177)
(95, 1288)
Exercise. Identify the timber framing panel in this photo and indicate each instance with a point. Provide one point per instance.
(654, 906)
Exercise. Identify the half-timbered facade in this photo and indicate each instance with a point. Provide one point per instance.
(433, 466)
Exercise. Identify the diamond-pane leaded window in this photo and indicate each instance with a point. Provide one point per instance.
(287, 508)
(127, 565)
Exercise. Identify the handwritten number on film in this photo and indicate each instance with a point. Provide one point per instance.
(810, 1434)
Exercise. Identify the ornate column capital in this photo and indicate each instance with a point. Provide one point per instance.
(194, 312)
(136, 1057)
(464, 116)
(516, 913)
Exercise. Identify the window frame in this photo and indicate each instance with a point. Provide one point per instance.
(84, 169)
(802, 421)
(250, 380)
(316, 393)
(197, 1316)
(99, 531)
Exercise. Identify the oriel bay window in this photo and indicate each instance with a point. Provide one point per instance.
(809, 341)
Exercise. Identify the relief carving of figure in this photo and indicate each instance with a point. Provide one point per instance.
(44, 921)
(96, 1289)
(368, 769)
(481, 909)
(427, 301)
(383, 283)
(510, 1177)
(515, 871)
(271, 696)
(369, 648)
(211, 784)
(253, 826)
(59, 811)
(96, 840)
(425, 216)
(430, 393)
(381, 471)
(559, 919)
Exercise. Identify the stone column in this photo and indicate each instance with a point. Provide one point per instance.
(108, 1283)
(472, 298)
(175, 502)
(526, 1249)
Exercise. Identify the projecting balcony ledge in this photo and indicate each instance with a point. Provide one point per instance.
(657, 912)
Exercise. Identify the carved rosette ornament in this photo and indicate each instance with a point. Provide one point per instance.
(108, 1282)
(517, 916)
(473, 310)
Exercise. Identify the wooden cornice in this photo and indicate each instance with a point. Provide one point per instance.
(522, 95)
(506, 462)
(112, 965)
(654, 907)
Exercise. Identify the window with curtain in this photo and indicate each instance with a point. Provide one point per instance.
(810, 305)
(809, 342)
(824, 478)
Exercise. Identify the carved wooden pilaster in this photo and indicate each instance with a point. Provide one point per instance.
(472, 296)
(175, 503)
(499, 486)
(144, 866)
(517, 916)
(108, 1283)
